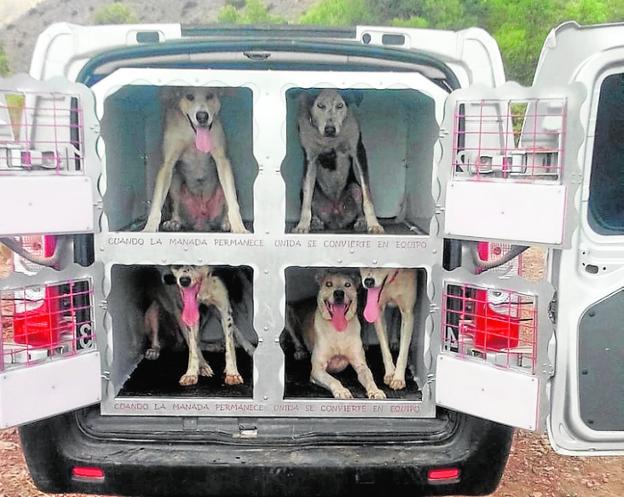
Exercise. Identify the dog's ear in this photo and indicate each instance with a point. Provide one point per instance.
(204, 270)
(169, 279)
(357, 279)
(170, 94)
(352, 97)
(320, 275)
(225, 91)
(306, 99)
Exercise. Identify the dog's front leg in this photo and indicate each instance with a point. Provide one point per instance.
(407, 328)
(319, 376)
(232, 376)
(386, 355)
(191, 334)
(365, 377)
(221, 300)
(161, 188)
(309, 182)
(151, 319)
(175, 190)
(226, 178)
(367, 204)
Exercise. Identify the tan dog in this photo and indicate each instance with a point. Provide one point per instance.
(199, 286)
(332, 333)
(395, 287)
(194, 139)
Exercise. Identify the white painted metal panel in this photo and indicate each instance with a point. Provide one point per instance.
(37, 392)
(527, 213)
(45, 204)
(487, 392)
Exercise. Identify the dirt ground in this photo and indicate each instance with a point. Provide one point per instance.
(533, 470)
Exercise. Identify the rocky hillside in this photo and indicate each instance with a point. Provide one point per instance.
(18, 37)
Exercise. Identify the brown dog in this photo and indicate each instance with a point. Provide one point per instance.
(332, 334)
(394, 287)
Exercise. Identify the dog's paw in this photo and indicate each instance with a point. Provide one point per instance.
(188, 380)
(376, 394)
(233, 379)
(397, 383)
(240, 230)
(317, 225)
(388, 377)
(205, 370)
(172, 225)
(301, 354)
(301, 229)
(360, 226)
(342, 393)
(150, 227)
(152, 353)
(376, 229)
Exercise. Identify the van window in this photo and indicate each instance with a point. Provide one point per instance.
(606, 191)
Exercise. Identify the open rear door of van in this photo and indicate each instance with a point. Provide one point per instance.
(587, 395)
(49, 169)
(508, 174)
(540, 166)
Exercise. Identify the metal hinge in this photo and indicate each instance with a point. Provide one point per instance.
(553, 307)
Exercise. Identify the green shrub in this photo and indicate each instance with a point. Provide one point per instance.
(253, 12)
(4, 62)
(115, 13)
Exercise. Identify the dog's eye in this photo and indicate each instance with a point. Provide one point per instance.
(320, 106)
(190, 97)
(339, 105)
(329, 284)
(209, 96)
(347, 285)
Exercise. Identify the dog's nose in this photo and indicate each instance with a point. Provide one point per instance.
(185, 281)
(369, 282)
(339, 296)
(330, 130)
(202, 117)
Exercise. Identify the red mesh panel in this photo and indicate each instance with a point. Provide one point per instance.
(45, 322)
(497, 326)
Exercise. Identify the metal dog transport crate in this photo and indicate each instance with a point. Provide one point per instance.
(449, 163)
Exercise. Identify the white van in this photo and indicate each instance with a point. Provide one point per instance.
(466, 170)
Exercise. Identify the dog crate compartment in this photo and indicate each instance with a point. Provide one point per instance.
(303, 285)
(398, 132)
(133, 124)
(136, 375)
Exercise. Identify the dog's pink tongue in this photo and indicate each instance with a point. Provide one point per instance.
(339, 320)
(371, 311)
(190, 309)
(203, 140)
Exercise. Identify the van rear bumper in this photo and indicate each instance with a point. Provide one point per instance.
(478, 448)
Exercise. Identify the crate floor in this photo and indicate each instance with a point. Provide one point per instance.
(390, 228)
(159, 378)
(298, 380)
